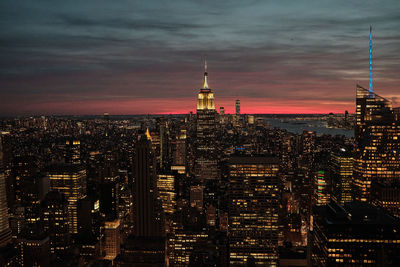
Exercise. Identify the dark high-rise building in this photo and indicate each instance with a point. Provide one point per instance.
(146, 206)
(23, 170)
(142, 252)
(164, 146)
(197, 196)
(109, 186)
(34, 188)
(180, 150)
(90, 228)
(206, 165)
(88, 213)
(356, 234)
(341, 172)
(34, 246)
(109, 199)
(222, 117)
(253, 210)
(55, 222)
(146, 247)
(70, 180)
(307, 142)
(72, 151)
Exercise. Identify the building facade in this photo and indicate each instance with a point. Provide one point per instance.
(253, 210)
(341, 170)
(70, 180)
(355, 234)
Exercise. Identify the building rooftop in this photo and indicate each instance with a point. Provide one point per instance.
(354, 213)
(253, 160)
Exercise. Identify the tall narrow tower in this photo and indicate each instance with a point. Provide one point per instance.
(376, 161)
(206, 160)
(147, 220)
(146, 247)
(370, 61)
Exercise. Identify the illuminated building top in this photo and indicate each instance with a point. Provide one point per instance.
(205, 86)
(205, 100)
(148, 134)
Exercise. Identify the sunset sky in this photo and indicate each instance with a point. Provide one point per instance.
(140, 57)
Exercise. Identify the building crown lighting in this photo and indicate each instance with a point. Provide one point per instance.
(370, 60)
(205, 86)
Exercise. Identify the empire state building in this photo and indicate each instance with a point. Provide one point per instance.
(206, 166)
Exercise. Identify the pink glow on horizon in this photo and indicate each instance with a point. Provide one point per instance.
(184, 106)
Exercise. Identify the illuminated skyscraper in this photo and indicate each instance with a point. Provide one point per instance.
(377, 136)
(112, 239)
(321, 192)
(5, 232)
(70, 180)
(236, 120)
(341, 171)
(253, 210)
(166, 192)
(237, 107)
(188, 231)
(206, 166)
(377, 159)
(181, 245)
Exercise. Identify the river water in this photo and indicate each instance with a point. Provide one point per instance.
(317, 126)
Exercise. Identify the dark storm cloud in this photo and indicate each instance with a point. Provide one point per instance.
(98, 50)
(120, 23)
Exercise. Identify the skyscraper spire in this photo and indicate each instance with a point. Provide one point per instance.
(370, 60)
(205, 86)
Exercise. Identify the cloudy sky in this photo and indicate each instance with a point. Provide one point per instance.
(139, 57)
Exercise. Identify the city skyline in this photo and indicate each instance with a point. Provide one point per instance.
(200, 133)
(137, 58)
